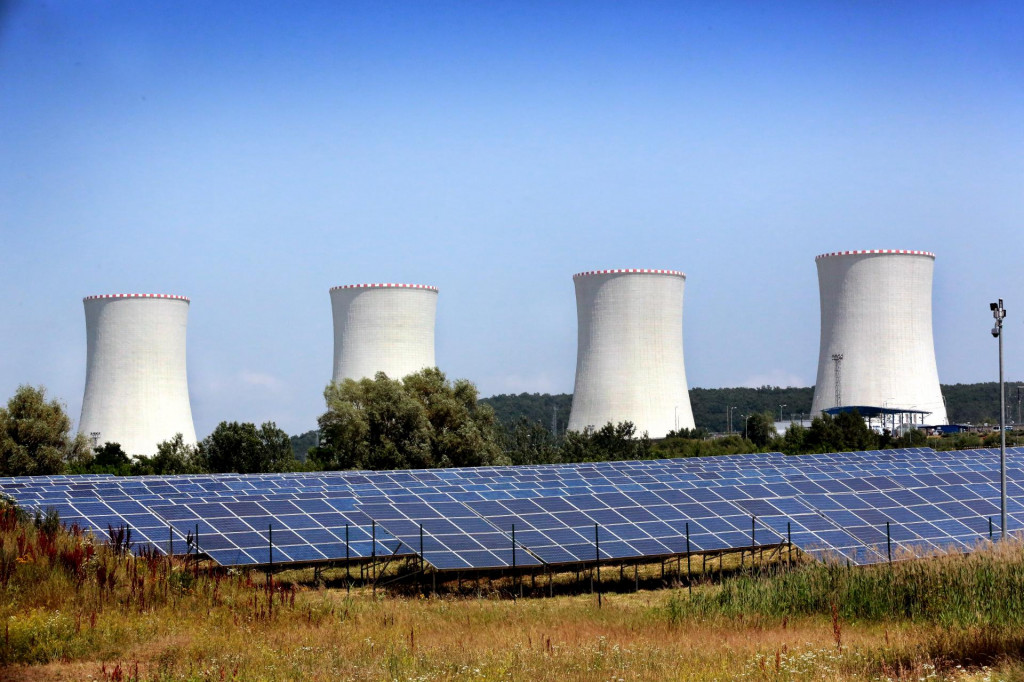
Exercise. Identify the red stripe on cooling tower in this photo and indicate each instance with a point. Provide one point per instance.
(165, 296)
(628, 271)
(903, 252)
(385, 285)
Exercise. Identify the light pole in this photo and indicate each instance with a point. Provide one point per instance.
(729, 411)
(999, 312)
(780, 411)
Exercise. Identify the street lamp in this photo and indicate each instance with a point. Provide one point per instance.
(729, 411)
(780, 411)
(999, 312)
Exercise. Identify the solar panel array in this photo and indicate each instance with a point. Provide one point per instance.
(832, 505)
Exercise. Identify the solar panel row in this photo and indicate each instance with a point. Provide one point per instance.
(836, 504)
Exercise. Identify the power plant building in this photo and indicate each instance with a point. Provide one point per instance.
(629, 362)
(383, 328)
(136, 384)
(877, 352)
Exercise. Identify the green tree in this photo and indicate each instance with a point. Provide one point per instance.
(530, 443)
(108, 458)
(421, 421)
(611, 442)
(759, 428)
(244, 449)
(35, 436)
(172, 456)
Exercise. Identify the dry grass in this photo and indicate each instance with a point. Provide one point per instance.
(161, 622)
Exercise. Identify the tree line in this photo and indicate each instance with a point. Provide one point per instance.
(425, 420)
(965, 403)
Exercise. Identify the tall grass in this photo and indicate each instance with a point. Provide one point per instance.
(985, 588)
(73, 606)
(64, 593)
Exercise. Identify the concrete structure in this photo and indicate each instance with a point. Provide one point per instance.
(629, 361)
(383, 328)
(876, 333)
(136, 385)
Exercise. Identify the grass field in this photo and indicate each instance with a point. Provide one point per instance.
(75, 609)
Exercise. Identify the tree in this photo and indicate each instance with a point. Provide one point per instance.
(421, 421)
(611, 442)
(108, 458)
(530, 443)
(463, 431)
(35, 436)
(760, 428)
(244, 449)
(172, 456)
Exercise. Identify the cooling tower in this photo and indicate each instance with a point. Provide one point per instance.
(876, 332)
(629, 361)
(136, 386)
(383, 328)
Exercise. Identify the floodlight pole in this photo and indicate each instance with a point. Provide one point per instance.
(999, 313)
(780, 411)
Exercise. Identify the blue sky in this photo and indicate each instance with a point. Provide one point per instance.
(252, 155)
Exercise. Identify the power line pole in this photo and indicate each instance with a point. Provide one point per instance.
(837, 358)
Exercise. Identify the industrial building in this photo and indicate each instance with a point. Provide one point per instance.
(877, 352)
(136, 384)
(383, 328)
(629, 363)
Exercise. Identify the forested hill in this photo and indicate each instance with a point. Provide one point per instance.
(974, 403)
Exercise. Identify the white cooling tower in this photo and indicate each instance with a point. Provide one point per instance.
(136, 386)
(383, 328)
(876, 333)
(629, 361)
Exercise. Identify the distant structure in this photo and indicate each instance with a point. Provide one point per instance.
(877, 353)
(136, 385)
(383, 328)
(629, 360)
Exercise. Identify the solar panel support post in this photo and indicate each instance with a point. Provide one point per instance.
(597, 566)
(270, 551)
(789, 542)
(373, 556)
(423, 581)
(888, 541)
(689, 586)
(990, 529)
(753, 541)
(197, 551)
(515, 577)
(170, 544)
(636, 577)
(348, 565)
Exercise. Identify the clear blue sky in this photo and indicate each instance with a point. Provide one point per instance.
(252, 155)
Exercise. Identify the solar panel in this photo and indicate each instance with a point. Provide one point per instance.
(833, 505)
